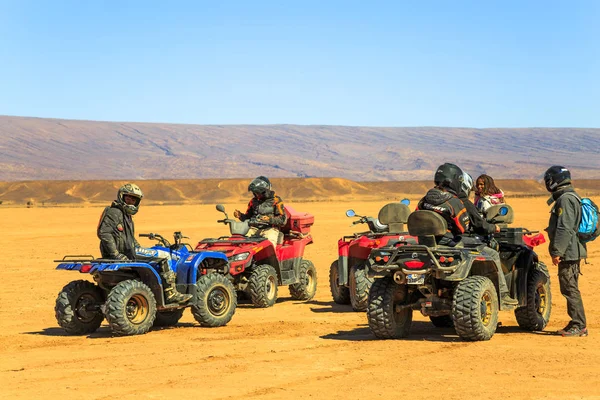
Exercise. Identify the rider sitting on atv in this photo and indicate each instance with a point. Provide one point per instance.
(461, 215)
(265, 213)
(117, 239)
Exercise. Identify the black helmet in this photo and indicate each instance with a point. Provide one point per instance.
(449, 176)
(260, 185)
(133, 190)
(555, 177)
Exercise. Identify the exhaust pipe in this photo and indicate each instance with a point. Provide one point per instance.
(399, 277)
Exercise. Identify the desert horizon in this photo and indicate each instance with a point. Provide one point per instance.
(212, 191)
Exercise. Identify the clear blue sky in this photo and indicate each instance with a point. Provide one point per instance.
(377, 63)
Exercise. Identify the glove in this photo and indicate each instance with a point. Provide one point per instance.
(121, 257)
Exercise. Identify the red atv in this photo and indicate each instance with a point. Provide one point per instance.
(256, 268)
(348, 279)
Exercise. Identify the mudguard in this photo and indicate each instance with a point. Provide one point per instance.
(187, 269)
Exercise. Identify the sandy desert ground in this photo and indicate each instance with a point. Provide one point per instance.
(294, 350)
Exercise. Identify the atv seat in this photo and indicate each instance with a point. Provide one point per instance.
(394, 215)
(426, 226)
(470, 241)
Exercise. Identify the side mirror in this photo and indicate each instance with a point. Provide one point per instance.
(220, 208)
(405, 202)
(350, 213)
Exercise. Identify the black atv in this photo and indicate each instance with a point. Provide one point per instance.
(457, 285)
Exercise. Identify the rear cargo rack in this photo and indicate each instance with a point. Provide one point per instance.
(77, 258)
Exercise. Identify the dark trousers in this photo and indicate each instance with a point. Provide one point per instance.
(568, 278)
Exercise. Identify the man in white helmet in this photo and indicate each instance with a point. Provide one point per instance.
(117, 238)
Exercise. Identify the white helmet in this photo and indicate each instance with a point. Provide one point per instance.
(466, 185)
(133, 190)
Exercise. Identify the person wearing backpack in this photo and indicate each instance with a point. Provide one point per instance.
(565, 247)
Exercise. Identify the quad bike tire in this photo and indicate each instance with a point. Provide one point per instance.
(216, 301)
(360, 284)
(475, 308)
(534, 316)
(384, 321)
(130, 308)
(306, 288)
(442, 321)
(262, 286)
(168, 318)
(73, 304)
(340, 294)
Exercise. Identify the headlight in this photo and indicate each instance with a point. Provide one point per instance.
(239, 257)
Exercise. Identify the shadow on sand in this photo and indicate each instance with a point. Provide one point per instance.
(424, 331)
(330, 307)
(103, 332)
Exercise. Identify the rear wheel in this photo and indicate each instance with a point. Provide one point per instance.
(130, 308)
(262, 286)
(360, 284)
(443, 321)
(385, 321)
(216, 302)
(168, 318)
(77, 308)
(340, 294)
(475, 308)
(534, 316)
(307, 287)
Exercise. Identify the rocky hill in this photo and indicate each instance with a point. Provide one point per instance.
(52, 149)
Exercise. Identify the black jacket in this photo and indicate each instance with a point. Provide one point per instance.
(271, 206)
(563, 225)
(478, 224)
(448, 206)
(116, 233)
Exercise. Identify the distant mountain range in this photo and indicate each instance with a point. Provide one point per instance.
(54, 149)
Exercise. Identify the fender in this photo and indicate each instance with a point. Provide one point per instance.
(187, 270)
(475, 264)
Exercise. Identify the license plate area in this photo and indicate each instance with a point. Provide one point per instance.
(415, 279)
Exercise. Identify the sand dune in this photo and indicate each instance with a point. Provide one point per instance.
(211, 191)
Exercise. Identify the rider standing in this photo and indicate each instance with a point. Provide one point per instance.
(117, 239)
(265, 213)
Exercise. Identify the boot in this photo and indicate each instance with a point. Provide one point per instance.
(509, 301)
(171, 293)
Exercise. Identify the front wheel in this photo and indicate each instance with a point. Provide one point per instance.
(130, 308)
(360, 284)
(262, 286)
(534, 316)
(216, 300)
(385, 320)
(475, 308)
(77, 308)
(307, 287)
(340, 294)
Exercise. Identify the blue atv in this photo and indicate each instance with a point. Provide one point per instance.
(130, 295)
